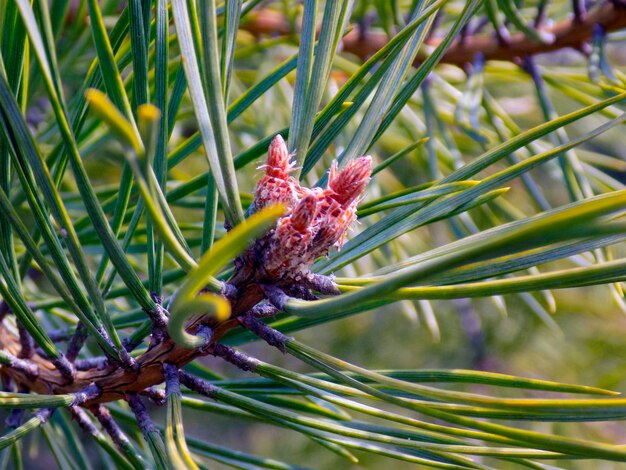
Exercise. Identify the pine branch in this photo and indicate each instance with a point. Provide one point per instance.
(570, 33)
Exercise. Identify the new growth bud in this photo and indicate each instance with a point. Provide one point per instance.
(348, 184)
(275, 186)
(318, 219)
(278, 159)
(304, 212)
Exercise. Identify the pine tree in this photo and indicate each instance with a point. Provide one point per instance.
(180, 179)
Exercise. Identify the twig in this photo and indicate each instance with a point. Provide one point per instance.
(88, 393)
(269, 335)
(76, 342)
(103, 415)
(541, 13)
(567, 33)
(16, 415)
(131, 344)
(299, 292)
(172, 382)
(155, 395)
(323, 284)
(263, 310)
(44, 414)
(275, 295)
(144, 421)
(158, 317)
(81, 417)
(97, 363)
(26, 341)
(237, 358)
(62, 334)
(65, 368)
(197, 385)
(29, 369)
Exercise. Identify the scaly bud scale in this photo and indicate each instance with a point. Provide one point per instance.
(275, 186)
(318, 219)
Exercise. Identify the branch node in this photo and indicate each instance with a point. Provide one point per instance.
(29, 369)
(275, 295)
(172, 382)
(44, 414)
(146, 424)
(268, 334)
(237, 358)
(80, 416)
(103, 415)
(26, 342)
(76, 342)
(197, 385)
(323, 284)
(229, 291)
(155, 395)
(128, 362)
(62, 334)
(65, 368)
(262, 310)
(90, 392)
(97, 363)
(158, 316)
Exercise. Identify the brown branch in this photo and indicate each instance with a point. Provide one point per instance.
(113, 381)
(570, 33)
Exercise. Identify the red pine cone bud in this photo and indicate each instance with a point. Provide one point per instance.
(275, 187)
(278, 159)
(304, 213)
(318, 219)
(348, 184)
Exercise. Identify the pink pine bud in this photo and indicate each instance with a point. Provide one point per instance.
(289, 242)
(278, 159)
(318, 220)
(275, 187)
(304, 213)
(348, 184)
